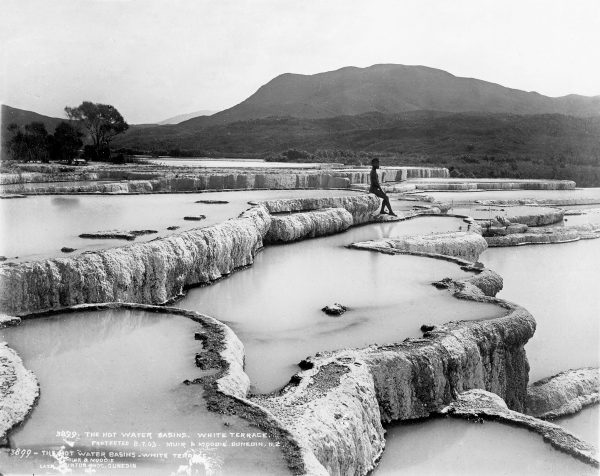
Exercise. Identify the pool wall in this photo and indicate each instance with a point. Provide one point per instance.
(138, 179)
(157, 271)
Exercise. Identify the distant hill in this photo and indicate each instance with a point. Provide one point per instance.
(391, 89)
(423, 133)
(185, 117)
(21, 117)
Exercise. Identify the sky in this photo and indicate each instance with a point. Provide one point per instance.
(153, 59)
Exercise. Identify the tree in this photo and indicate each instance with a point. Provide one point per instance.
(101, 121)
(30, 143)
(65, 142)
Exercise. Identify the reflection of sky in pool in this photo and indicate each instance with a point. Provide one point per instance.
(122, 371)
(558, 284)
(452, 447)
(37, 227)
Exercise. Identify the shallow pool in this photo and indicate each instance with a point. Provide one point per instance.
(453, 447)
(105, 374)
(584, 424)
(37, 227)
(275, 306)
(558, 284)
(205, 162)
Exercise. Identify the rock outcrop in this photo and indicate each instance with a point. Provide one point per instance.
(546, 235)
(479, 404)
(361, 207)
(152, 272)
(19, 390)
(563, 394)
(463, 245)
(300, 226)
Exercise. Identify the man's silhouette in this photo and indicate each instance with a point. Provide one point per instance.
(375, 188)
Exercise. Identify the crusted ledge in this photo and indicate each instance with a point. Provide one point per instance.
(563, 394)
(19, 390)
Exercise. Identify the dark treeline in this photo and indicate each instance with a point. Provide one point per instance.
(482, 145)
(97, 123)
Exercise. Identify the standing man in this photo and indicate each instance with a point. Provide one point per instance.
(376, 188)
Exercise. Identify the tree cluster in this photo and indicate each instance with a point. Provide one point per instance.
(33, 143)
(99, 123)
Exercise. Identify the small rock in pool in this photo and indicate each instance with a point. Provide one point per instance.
(427, 328)
(174, 227)
(142, 232)
(335, 309)
(114, 234)
(212, 202)
(195, 217)
(66, 249)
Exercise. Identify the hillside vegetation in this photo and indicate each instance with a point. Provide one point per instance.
(484, 145)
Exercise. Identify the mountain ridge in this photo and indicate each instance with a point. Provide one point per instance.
(389, 89)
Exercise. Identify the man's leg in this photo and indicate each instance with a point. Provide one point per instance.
(382, 195)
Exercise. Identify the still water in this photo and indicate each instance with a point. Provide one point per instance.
(118, 371)
(584, 424)
(558, 284)
(37, 227)
(275, 306)
(230, 163)
(452, 447)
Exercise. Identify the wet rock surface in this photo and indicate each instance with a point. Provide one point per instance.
(563, 394)
(479, 404)
(334, 309)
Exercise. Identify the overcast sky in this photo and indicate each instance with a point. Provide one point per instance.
(153, 59)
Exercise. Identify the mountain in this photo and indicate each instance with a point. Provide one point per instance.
(185, 117)
(391, 89)
(21, 117)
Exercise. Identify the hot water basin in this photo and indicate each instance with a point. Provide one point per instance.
(121, 371)
(37, 227)
(275, 306)
(558, 284)
(460, 448)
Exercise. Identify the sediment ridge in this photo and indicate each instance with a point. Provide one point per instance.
(19, 390)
